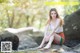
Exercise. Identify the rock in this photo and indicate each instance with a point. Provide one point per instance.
(7, 36)
(72, 43)
(26, 42)
(24, 30)
(77, 48)
(38, 39)
(53, 49)
(72, 25)
(60, 46)
(30, 39)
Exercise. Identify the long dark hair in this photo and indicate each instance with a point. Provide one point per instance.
(57, 16)
(53, 9)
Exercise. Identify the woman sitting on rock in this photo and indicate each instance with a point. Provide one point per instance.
(53, 30)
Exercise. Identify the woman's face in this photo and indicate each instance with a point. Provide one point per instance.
(53, 14)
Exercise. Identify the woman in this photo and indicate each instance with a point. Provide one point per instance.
(54, 30)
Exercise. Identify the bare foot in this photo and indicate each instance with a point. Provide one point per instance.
(47, 47)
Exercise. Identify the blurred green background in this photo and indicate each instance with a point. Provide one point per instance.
(32, 13)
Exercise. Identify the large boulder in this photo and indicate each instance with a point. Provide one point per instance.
(72, 27)
(7, 36)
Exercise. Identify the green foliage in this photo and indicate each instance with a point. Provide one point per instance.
(19, 13)
(1, 1)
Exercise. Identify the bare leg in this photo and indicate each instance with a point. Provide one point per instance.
(57, 38)
(50, 42)
(42, 43)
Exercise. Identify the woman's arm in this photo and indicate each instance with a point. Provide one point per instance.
(56, 26)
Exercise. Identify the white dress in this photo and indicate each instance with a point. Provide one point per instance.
(50, 28)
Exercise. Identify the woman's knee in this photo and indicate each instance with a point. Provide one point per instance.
(44, 38)
(54, 34)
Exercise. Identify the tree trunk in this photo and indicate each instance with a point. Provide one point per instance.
(27, 21)
(10, 19)
(40, 23)
(18, 22)
(32, 20)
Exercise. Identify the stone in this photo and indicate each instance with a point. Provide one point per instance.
(38, 39)
(7, 36)
(72, 28)
(72, 25)
(26, 42)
